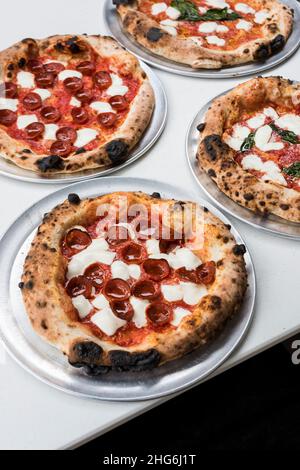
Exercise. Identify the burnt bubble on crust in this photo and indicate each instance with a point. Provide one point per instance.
(210, 143)
(156, 195)
(74, 199)
(85, 353)
(154, 34)
(125, 361)
(122, 2)
(117, 151)
(239, 250)
(53, 162)
(262, 53)
(277, 44)
(201, 127)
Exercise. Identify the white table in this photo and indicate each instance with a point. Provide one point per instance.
(35, 416)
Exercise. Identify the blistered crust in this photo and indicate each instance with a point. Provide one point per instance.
(217, 158)
(125, 138)
(148, 33)
(54, 318)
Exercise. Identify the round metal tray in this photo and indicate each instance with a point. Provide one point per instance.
(49, 365)
(115, 25)
(150, 136)
(273, 224)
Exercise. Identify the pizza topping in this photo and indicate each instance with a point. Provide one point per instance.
(32, 101)
(244, 8)
(211, 26)
(84, 95)
(117, 289)
(82, 305)
(118, 102)
(26, 119)
(9, 104)
(121, 270)
(85, 136)
(79, 286)
(188, 275)
(133, 253)
(107, 119)
(61, 148)
(7, 117)
(80, 116)
(35, 66)
(44, 80)
(76, 240)
(145, 290)
(159, 313)
(172, 292)
(25, 80)
(66, 134)
(50, 131)
(102, 107)
(206, 272)
(262, 139)
(158, 8)
(103, 80)
(117, 87)
(96, 274)
(54, 67)
(107, 322)
(271, 171)
(118, 234)
(73, 84)
(261, 16)
(86, 68)
(257, 121)
(169, 26)
(122, 309)
(290, 122)
(178, 315)
(245, 25)
(75, 102)
(43, 93)
(215, 40)
(10, 90)
(65, 74)
(35, 130)
(50, 114)
(156, 269)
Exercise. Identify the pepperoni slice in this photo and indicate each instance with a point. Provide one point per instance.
(50, 114)
(54, 68)
(80, 115)
(159, 314)
(79, 285)
(133, 253)
(84, 95)
(35, 130)
(186, 275)
(96, 274)
(61, 148)
(206, 273)
(122, 309)
(45, 80)
(35, 66)
(107, 119)
(117, 289)
(102, 80)
(66, 134)
(77, 240)
(118, 102)
(73, 84)
(11, 90)
(146, 290)
(157, 269)
(117, 235)
(32, 101)
(166, 246)
(86, 68)
(7, 117)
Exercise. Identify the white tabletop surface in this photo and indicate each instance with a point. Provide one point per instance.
(35, 416)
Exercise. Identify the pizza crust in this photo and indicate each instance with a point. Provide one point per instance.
(122, 141)
(53, 316)
(276, 31)
(217, 158)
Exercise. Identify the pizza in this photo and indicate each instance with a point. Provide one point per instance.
(250, 146)
(71, 103)
(208, 34)
(129, 281)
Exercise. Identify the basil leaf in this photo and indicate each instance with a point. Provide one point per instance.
(293, 170)
(288, 136)
(248, 142)
(221, 15)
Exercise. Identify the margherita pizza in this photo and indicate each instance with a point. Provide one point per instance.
(71, 103)
(208, 33)
(129, 281)
(250, 146)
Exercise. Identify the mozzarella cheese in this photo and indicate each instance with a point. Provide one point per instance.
(82, 305)
(134, 270)
(179, 258)
(215, 40)
(211, 26)
(9, 103)
(75, 102)
(169, 28)
(202, 10)
(245, 25)
(261, 16)
(262, 137)
(178, 315)
(240, 133)
(139, 307)
(158, 8)
(243, 8)
(97, 251)
(43, 93)
(121, 270)
(107, 321)
(100, 302)
(270, 112)
(85, 136)
(256, 121)
(69, 74)
(102, 107)
(152, 246)
(26, 119)
(173, 13)
(50, 131)
(217, 3)
(290, 122)
(193, 293)
(172, 292)
(117, 87)
(26, 79)
(270, 169)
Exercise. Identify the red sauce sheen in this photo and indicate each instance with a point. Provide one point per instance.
(117, 291)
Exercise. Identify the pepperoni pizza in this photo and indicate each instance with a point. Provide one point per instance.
(208, 33)
(70, 103)
(129, 281)
(250, 146)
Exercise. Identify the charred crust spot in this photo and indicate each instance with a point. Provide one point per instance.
(212, 143)
(248, 196)
(216, 301)
(154, 34)
(239, 250)
(201, 127)
(27, 151)
(220, 263)
(22, 63)
(228, 226)
(125, 361)
(225, 239)
(59, 46)
(21, 285)
(41, 304)
(86, 353)
(74, 199)
(11, 67)
(79, 151)
(44, 325)
(156, 195)
(73, 45)
(205, 209)
(117, 151)
(29, 285)
(94, 371)
(284, 207)
(262, 53)
(277, 44)
(53, 162)
(211, 173)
